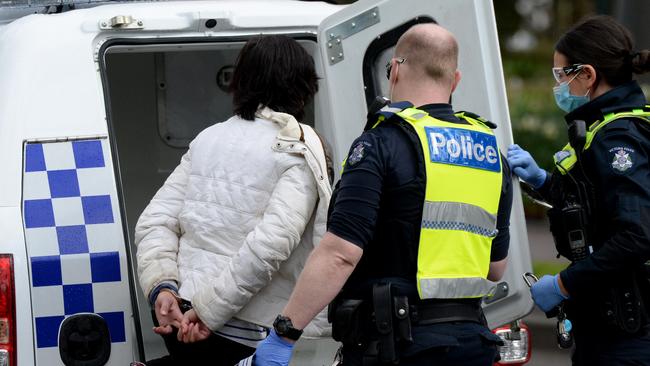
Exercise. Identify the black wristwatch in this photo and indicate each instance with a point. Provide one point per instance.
(284, 328)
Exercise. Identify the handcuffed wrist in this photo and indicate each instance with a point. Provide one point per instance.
(173, 292)
(163, 285)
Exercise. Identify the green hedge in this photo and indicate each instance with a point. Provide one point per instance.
(537, 123)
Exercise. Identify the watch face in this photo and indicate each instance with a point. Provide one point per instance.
(284, 327)
(281, 326)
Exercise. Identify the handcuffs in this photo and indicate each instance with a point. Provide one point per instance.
(563, 326)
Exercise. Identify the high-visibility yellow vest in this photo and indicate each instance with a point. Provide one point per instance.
(463, 188)
(566, 158)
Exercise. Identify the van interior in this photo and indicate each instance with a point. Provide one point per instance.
(159, 97)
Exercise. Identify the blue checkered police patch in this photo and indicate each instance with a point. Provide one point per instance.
(75, 243)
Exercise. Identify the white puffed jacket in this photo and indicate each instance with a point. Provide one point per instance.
(235, 222)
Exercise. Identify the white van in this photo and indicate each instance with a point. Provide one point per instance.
(97, 106)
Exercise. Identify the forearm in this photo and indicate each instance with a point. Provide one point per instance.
(619, 255)
(325, 273)
(497, 269)
(158, 230)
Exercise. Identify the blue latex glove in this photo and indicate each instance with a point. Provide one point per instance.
(273, 351)
(546, 292)
(525, 167)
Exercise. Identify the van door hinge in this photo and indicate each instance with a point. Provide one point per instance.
(121, 22)
(338, 33)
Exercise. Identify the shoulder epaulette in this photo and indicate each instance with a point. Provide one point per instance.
(386, 113)
(475, 116)
(392, 109)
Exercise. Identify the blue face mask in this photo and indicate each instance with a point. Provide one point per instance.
(567, 101)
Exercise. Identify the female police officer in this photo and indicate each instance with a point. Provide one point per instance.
(600, 193)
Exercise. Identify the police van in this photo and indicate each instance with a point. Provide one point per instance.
(99, 102)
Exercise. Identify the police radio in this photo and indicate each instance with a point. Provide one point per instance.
(376, 105)
(574, 215)
(574, 219)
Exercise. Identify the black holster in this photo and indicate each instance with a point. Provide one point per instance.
(392, 321)
(349, 318)
(624, 309)
(386, 321)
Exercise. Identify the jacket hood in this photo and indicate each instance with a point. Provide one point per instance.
(290, 129)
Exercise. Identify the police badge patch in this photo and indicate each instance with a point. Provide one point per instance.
(622, 160)
(357, 153)
(561, 155)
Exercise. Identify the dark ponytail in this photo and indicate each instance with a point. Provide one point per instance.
(640, 62)
(603, 43)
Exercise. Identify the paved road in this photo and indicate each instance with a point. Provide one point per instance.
(541, 242)
(545, 350)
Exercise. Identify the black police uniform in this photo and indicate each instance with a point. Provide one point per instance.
(377, 205)
(610, 292)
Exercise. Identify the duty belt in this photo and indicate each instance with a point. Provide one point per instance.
(428, 312)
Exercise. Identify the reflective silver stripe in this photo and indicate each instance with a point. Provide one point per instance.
(455, 288)
(418, 116)
(414, 116)
(391, 109)
(459, 216)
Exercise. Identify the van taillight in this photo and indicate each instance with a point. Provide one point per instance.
(7, 312)
(517, 345)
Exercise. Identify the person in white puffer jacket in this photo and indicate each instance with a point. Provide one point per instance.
(222, 243)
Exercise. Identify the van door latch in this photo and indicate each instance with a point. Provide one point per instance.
(121, 22)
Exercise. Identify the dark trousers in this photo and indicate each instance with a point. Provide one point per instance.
(214, 351)
(612, 351)
(446, 344)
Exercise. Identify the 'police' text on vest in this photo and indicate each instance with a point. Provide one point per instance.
(463, 147)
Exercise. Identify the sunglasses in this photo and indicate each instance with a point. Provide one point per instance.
(389, 65)
(560, 73)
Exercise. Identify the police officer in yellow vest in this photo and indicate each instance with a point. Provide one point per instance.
(600, 193)
(418, 226)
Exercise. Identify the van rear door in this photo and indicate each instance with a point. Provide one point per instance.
(358, 41)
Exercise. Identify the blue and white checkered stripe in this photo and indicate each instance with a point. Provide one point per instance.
(75, 243)
(461, 226)
(441, 215)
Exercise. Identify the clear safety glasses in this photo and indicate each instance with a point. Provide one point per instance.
(560, 73)
(389, 65)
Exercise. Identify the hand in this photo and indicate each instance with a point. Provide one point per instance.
(525, 167)
(168, 313)
(192, 328)
(547, 293)
(273, 351)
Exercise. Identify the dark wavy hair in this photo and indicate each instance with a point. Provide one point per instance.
(276, 72)
(603, 43)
